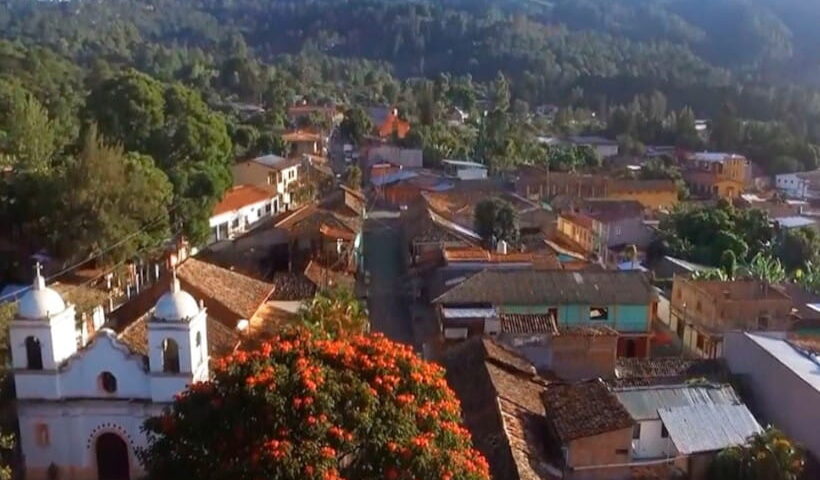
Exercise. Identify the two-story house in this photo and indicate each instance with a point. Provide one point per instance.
(800, 185)
(278, 172)
(717, 175)
(242, 208)
(483, 303)
(584, 233)
(703, 310)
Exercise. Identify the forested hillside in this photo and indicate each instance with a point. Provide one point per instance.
(154, 78)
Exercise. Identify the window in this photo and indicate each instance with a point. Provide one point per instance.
(170, 356)
(108, 382)
(41, 435)
(701, 341)
(636, 431)
(621, 451)
(599, 313)
(235, 223)
(698, 306)
(34, 354)
(763, 322)
(664, 432)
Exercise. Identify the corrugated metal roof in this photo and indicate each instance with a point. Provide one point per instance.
(643, 403)
(453, 313)
(706, 428)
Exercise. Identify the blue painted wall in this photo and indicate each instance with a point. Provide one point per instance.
(623, 318)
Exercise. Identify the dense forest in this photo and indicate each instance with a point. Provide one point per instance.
(153, 84)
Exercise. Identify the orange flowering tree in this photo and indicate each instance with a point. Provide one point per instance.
(309, 407)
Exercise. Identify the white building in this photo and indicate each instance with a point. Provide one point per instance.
(273, 171)
(801, 185)
(656, 410)
(81, 409)
(241, 208)
(782, 376)
(465, 170)
(603, 147)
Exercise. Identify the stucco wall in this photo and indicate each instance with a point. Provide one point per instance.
(73, 428)
(604, 449)
(777, 394)
(624, 318)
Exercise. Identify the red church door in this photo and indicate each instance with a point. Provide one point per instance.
(112, 458)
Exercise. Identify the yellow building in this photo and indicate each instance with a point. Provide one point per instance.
(718, 175)
(581, 230)
(652, 194)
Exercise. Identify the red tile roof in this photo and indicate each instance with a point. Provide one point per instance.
(584, 410)
(393, 124)
(242, 196)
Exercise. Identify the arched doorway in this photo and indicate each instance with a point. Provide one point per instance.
(112, 458)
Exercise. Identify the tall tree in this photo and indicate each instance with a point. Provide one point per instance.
(307, 407)
(109, 198)
(496, 220)
(355, 125)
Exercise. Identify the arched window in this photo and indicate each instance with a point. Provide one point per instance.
(34, 354)
(108, 382)
(170, 356)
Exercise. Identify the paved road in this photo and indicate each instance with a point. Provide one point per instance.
(389, 293)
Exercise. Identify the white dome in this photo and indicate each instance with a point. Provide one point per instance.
(176, 304)
(40, 301)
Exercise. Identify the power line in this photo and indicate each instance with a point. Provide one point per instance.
(93, 257)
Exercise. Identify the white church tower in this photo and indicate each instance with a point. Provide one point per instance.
(81, 411)
(177, 343)
(43, 334)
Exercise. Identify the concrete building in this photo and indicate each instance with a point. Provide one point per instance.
(782, 377)
(703, 310)
(304, 142)
(603, 147)
(242, 208)
(273, 171)
(622, 301)
(718, 175)
(800, 185)
(465, 170)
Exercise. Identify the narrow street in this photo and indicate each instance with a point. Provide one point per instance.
(389, 293)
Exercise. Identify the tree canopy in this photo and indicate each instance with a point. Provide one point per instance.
(496, 220)
(304, 407)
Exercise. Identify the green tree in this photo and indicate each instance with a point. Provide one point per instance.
(172, 124)
(764, 268)
(27, 135)
(500, 93)
(355, 125)
(353, 178)
(309, 407)
(336, 311)
(495, 220)
(109, 197)
(796, 248)
(767, 455)
(130, 109)
(728, 262)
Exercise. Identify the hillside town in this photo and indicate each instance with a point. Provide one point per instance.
(576, 341)
(415, 240)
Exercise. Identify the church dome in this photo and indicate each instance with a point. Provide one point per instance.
(40, 301)
(176, 304)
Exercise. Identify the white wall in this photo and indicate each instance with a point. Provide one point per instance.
(651, 444)
(777, 394)
(246, 216)
(791, 185)
(73, 428)
(471, 173)
(606, 151)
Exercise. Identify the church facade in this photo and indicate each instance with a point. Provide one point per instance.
(81, 407)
